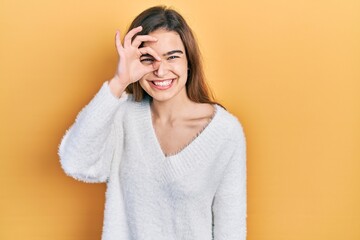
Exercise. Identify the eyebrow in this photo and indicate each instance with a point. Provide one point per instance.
(146, 55)
(172, 52)
(165, 54)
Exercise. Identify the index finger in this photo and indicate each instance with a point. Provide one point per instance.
(130, 35)
(142, 38)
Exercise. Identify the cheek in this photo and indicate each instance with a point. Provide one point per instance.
(181, 69)
(143, 83)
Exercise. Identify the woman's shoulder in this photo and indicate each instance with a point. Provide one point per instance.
(229, 123)
(130, 106)
(136, 105)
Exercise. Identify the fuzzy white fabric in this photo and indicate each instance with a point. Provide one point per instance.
(197, 194)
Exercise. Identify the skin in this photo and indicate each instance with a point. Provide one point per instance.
(173, 66)
(176, 119)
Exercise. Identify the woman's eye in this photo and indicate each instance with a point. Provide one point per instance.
(173, 57)
(147, 60)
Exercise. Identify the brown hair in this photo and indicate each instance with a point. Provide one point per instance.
(162, 17)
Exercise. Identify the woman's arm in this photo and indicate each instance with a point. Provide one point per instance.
(229, 206)
(87, 148)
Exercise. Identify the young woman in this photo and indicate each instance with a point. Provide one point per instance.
(174, 161)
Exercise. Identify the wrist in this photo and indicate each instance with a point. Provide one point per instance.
(116, 86)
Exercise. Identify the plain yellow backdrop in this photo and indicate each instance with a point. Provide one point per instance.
(289, 70)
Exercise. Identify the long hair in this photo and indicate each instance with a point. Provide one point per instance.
(162, 17)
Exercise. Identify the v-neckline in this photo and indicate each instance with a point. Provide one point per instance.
(193, 141)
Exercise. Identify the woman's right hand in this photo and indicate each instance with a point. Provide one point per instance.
(129, 68)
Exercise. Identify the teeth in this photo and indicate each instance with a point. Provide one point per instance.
(163, 83)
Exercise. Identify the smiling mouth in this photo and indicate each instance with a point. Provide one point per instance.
(162, 84)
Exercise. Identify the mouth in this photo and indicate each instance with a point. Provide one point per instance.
(162, 84)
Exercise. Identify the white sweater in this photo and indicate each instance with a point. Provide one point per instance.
(197, 194)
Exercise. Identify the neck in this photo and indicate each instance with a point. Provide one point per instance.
(171, 110)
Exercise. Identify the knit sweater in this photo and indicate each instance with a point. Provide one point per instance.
(199, 193)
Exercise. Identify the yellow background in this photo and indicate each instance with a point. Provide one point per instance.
(288, 69)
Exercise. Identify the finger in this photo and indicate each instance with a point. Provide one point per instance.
(118, 45)
(151, 67)
(142, 38)
(156, 65)
(149, 50)
(129, 36)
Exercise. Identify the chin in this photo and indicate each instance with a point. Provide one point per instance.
(162, 97)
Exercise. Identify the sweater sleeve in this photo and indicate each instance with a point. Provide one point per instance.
(87, 147)
(229, 204)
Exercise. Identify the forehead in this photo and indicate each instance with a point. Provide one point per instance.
(166, 41)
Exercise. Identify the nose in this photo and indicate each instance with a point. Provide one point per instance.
(162, 70)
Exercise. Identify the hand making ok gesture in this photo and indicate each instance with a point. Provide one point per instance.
(129, 68)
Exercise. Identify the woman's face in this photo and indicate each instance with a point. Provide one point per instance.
(169, 78)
